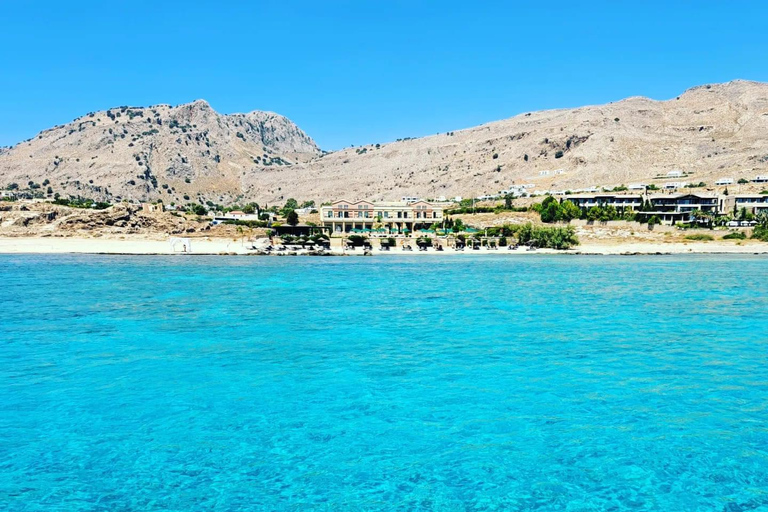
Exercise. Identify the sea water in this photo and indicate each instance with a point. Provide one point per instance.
(472, 382)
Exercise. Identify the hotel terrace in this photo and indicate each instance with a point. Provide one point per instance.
(384, 217)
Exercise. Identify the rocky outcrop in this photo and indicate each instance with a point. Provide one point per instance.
(177, 154)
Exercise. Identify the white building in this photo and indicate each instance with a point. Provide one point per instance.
(724, 181)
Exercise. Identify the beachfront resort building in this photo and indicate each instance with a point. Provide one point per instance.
(672, 208)
(668, 208)
(384, 217)
(753, 203)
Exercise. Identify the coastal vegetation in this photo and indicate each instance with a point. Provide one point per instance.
(467, 206)
(700, 237)
(551, 210)
(761, 230)
(247, 223)
(736, 235)
(549, 237)
(80, 202)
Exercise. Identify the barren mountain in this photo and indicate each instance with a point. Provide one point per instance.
(708, 132)
(159, 152)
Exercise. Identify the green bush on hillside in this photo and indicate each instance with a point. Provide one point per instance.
(700, 237)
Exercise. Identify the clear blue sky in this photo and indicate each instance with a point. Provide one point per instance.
(358, 72)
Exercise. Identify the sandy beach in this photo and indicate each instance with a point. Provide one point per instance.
(147, 246)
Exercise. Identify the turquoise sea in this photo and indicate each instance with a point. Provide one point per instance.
(457, 382)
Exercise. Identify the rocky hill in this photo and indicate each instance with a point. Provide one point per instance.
(708, 132)
(178, 154)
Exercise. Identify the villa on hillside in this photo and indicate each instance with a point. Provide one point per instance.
(615, 200)
(234, 215)
(393, 217)
(152, 207)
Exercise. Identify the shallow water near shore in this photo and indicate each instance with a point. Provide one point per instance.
(488, 383)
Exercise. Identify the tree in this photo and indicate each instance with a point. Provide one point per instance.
(199, 209)
(550, 210)
(292, 218)
(291, 204)
(508, 201)
(569, 210)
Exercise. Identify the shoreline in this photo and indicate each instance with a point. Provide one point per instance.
(221, 246)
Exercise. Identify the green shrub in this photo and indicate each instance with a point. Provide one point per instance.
(700, 237)
(551, 237)
(761, 233)
(736, 235)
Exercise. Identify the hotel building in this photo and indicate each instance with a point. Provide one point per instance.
(392, 217)
(754, 203)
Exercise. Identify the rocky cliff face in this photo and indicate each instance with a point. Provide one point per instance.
(177, 154)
